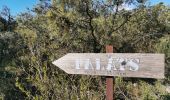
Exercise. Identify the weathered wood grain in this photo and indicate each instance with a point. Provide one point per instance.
(150, 65)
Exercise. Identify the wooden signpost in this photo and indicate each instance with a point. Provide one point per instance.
(113, 64)
(141, 65)
(109, 79)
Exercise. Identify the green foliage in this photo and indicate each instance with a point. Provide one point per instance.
(9, 48)
(7, 22)
(26, 53)
(140, 90)
(164, 47)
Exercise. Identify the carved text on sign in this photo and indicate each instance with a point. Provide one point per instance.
(115, 64)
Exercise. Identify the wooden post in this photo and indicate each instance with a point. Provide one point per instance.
(109, 79)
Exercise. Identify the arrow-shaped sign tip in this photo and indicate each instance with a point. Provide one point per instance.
(55, 63)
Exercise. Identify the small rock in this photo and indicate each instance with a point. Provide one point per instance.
(135, 84)
(168, 89)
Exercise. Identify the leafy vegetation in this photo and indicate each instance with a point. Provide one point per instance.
(32, 40)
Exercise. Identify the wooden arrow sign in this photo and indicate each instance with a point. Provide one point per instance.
(113, 64)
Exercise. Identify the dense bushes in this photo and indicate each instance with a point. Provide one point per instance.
(27, 52)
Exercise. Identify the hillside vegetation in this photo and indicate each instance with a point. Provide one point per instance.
(32, 40)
